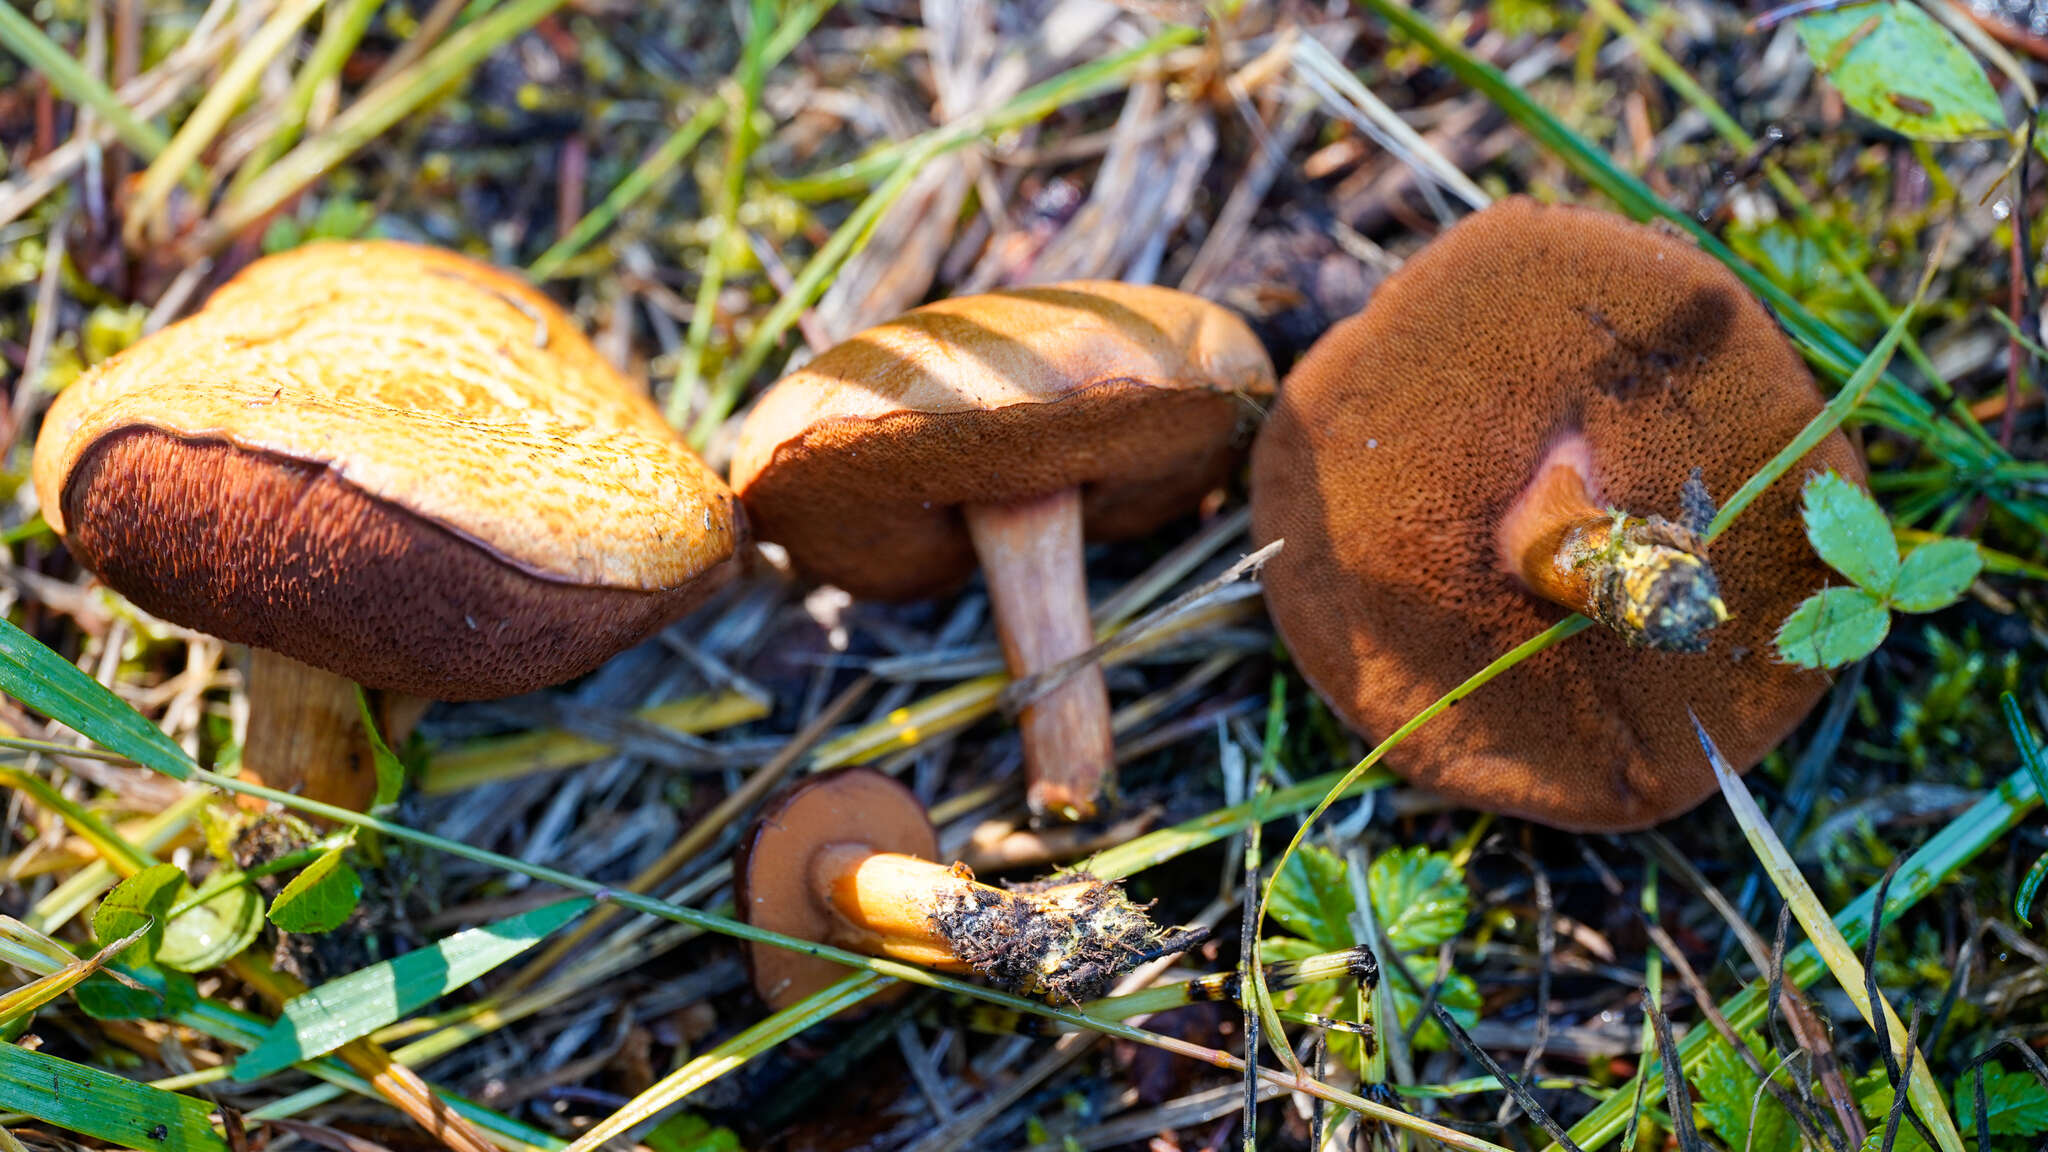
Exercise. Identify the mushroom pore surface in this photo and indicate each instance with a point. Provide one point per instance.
(1408, 431)
(772, 877)
(860, 461)
(391, 462)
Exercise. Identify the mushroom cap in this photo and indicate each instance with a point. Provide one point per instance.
(772, 877)
(1408, 430)
(859, 461)
(390, 462)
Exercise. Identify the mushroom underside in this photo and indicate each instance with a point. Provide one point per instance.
(285, 555)
(873, 505)
(772, 874)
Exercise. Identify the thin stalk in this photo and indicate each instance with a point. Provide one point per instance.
(1724, 125)
(244, 68)
(369, 116)
(902, 164)
(19, 35)
(1960, 842)
(741, 140)
(342, 29)
(790, 30)
(1833, 948)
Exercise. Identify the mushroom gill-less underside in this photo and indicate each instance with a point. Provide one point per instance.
(1407, 434)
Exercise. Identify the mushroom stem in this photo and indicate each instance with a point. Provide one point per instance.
(306, 736)
(1645, 577)
(1068, 939)
(1030, 554)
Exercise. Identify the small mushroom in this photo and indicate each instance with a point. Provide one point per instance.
(1486, 448)
(386, 464)
(846, 858)
(1003, 428)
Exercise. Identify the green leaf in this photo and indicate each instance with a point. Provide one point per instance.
(320, 897)
(1935, 575)
(324, 1018)
(390, 769)
(1458, 994)
(212, 933)
(1313, 899)
(142, 900)
(1833, 627)
(56, 688)
(2015, 1102)
(1729, 1102)
(102, 1105)
(689, 1132)
(104, 998)
(1896, 64)
(1419, 897)
(1851, 533)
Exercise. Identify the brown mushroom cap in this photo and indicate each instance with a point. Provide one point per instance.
(390, 462)
(772, 877)
(1406, 433)
(859, 461)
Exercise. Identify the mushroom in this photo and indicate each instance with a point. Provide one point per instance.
(1003, 428)
(386, 464)
(845, 858)
(1485, 449)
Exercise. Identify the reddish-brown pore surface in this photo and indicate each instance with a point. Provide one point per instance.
(1409, 430)
(772, 876)
(284, 555)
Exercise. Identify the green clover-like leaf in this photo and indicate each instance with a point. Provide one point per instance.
(144, 898)
(1833, 627)
(320, 897)
(1851, 533)
(1935, 575)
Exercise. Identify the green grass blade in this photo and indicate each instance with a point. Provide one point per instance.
(731, 1054)
(1832, 946)
(365, 1000)
(103, 1105)
(340, 31)
(1829, 418)
(364, 121)
(55, 687)
(1834, 353)
(1960, 842)
(20, 36)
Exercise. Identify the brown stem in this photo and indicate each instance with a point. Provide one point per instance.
(305, 733)
(1030, 555)
(1646, 578)
(1068, 939)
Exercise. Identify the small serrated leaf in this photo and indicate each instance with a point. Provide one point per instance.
(1851, 533)
(320, 897)
(1419, 896)
(143, 900)
(2016, 1103)
(1833, 627)
(1897, 64)
(212, 933)
(1935, 575)
(1312, 898)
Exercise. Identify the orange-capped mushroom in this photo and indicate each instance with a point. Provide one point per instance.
(1507, 434)
(1002, 429)
(846, 858)
(386, 464)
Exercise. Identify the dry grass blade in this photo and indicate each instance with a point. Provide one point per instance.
(1841, 959)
